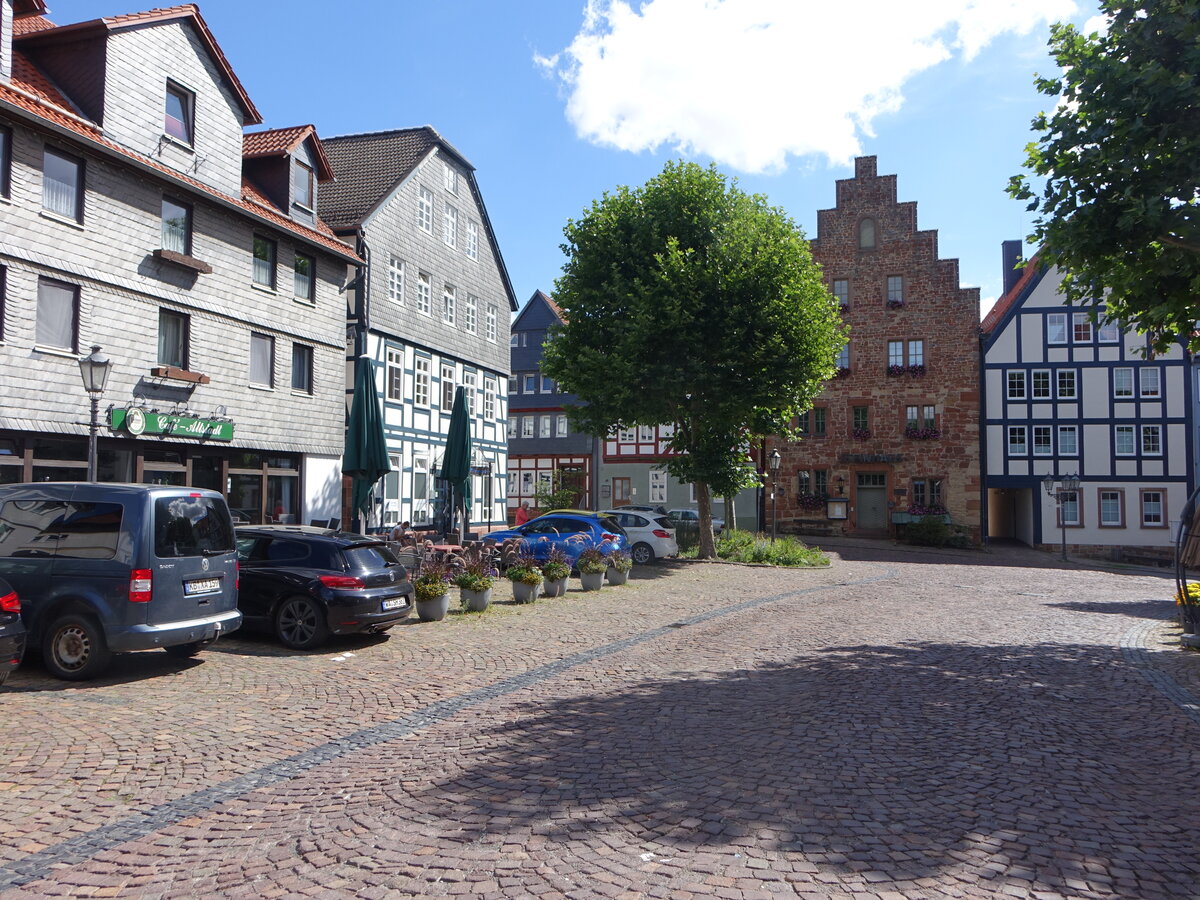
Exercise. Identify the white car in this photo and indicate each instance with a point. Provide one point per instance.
(692, 517)
(651, 536)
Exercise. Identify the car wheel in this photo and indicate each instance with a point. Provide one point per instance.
(186, 651)
(642, 553)
(74, 648)
(300, 623)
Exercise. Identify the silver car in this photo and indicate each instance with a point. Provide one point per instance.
(651, 536)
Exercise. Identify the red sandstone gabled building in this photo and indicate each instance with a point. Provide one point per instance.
(896, 434)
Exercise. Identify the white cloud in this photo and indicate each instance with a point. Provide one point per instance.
(751, 82)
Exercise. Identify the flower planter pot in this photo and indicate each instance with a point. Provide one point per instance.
(591, 581)
(616, 576)
(525, 593)
(476, 601)
(555, 588)
(433, 610)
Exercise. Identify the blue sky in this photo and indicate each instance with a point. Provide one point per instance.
(557, 101)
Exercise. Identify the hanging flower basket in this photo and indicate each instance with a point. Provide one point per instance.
(921, 434)
(861, 434)
(916, 369)
(895, 304)
(842, 372)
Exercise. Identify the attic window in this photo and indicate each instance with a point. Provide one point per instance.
(302, 185)
(177, 122)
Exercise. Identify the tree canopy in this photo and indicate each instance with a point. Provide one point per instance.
(689, 302)
(1120, 156)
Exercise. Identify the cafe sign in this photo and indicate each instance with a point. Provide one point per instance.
(137, 421)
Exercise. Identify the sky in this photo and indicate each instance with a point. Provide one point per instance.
(557, 101)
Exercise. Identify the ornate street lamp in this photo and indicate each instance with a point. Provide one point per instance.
(1067, 484)
(773, 463)
(94, 369)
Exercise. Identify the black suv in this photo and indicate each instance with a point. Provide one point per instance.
(304, 584)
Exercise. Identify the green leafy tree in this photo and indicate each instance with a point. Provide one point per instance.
(558, 493)
(692, 303)
(1120, 156)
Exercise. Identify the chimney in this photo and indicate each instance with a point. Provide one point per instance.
(1010, 253)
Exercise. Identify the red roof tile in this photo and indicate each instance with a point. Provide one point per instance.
(31, 24)
(32, 97)
(1005, 303)
(282, 141)
(23, 8)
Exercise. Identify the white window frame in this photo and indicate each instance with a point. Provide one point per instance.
(658, 486)
(1072, 378)
(425, 210)
(425, 293)
(489, 399)
(450, 227)
(1069, 501)
(472, 242)
(514, 423)
(529, 383)
(1023, 444)
(1151, 440)
(527, 426)
(449, 304)
(450, 178)
(422, 368)
(61, 197)
(1150, 383)
(1108, 332)
(1043, 440)
(1126, 434)
(470, 382)
(470, 314)
(490, 316)
(1014, 383)
(1081, 322)
(1120, 504)
(1068, 440)
(396, 279)
(447, 373)
(562, 429)
(420, 500)
(895, 353)
(260, 340)
(1161, 503)
(1047, 392)
(545, 426)
(1126, 391)
(394, 374)
(916, 353)
(1056, 328)
(895, 288)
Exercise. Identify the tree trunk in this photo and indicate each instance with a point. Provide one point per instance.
(708, 547)
(730, 514)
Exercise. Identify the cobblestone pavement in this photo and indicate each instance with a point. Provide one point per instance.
(904, 724)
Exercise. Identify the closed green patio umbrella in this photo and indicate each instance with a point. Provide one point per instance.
(366, 456)
(456, 462)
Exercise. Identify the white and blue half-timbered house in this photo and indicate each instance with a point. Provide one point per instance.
(1065, 396)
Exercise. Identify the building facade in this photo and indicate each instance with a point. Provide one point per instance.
(543, 449)
(1067, 396)
(130, 220)
(895, 435)
(432, 312)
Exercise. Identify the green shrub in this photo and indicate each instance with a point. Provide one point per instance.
(742, 546)
(931, 531)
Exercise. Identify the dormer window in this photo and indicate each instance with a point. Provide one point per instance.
(450, 174)
(177, 122)
(302, 185)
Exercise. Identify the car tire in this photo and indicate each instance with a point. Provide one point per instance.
(186, 651)
(642, 553)
(74, 648)
(300, 623)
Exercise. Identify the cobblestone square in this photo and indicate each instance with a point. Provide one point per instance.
(904, 724)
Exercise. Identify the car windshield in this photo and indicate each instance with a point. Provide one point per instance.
(191, 525)
(369, 558)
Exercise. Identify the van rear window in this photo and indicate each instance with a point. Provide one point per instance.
(191, 526)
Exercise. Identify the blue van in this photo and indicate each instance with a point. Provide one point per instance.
(107, 568)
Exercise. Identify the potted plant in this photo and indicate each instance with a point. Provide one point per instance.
(620, 562)
(526, 578)
(1189, 608)
(556, 569)
(592, 565)
(475, 584)
(432, 587)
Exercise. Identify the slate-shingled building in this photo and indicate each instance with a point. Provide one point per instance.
(129, 220)
(432, 313)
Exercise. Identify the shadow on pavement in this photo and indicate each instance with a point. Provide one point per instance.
(1050, 766)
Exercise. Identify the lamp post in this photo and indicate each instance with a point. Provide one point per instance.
(773, 463)
(1066, 484)
(94, 369)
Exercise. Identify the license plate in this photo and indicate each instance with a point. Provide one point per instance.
(394, 603)
(202, 586)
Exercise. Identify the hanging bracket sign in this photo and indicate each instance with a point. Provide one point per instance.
(137, 421)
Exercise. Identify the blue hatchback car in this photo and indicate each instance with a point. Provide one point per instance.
(570, 532)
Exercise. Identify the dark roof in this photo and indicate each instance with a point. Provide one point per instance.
(367, 167)
(543, 298)
(1033, 269)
